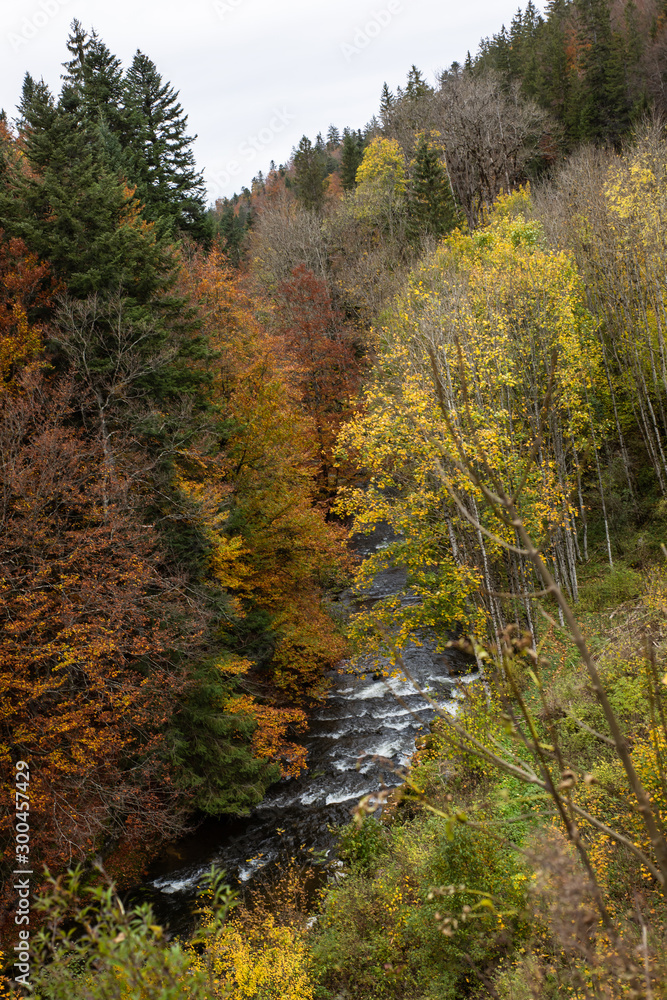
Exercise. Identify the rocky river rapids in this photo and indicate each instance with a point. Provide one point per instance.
(359, 738)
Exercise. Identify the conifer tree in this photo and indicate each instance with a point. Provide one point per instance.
(333, 137)
(416, 86)
(163, 164)
(233, 223)
(95, 75)
(387, 103)
(351, 158)
(310, 169)
(430, 204)
(557, 85)
(73, 210)
(605, 111)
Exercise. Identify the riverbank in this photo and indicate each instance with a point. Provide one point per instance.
(360, 740)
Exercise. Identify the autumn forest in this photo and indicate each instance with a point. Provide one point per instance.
(450, 326)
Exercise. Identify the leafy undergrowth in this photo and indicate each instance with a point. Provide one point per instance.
(466, 886)
(406, 919)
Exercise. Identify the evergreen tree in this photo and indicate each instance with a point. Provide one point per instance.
(62, 199)
(387, 104)
(431, 209)
(524, 57)
(75, 212)
(416, 86)
(211, 752)
(163, 164)
(333, 138)
(231, 226)
(498, 52)
(352, 156)
(605, 109)
(557, 84)
(96, 77)
(310, 169)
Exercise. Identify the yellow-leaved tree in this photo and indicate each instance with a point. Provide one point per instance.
(488, 343)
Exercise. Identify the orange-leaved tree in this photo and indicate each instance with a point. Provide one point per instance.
(86, 686)
(270, 544)
(26, 293)
(326, 358)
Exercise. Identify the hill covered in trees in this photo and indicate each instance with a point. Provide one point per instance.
(163, 552)
(451, 322)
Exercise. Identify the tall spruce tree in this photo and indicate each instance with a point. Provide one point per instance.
(73, 210)
(162, 160)
(416, 86)
(333, 138)
(558, 87)
(352, 155)
(95, 76)
(387, 104)
(605, 109)
(310, 169)
(431, 208)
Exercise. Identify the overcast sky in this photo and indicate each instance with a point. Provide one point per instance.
(255, 75)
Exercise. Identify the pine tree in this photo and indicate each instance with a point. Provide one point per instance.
(387, 104)
(310, 170)
(333, 137)
(73, 210)
(95, 76)
(163, 164)
(416, 86)
(351, 158)
(431, 209)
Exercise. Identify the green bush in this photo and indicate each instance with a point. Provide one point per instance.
(409, 924)
(613, 587)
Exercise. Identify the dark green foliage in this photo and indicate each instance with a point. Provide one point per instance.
(137, 127)
(584, 63)
(232, 220)
(211, 754)
(310, 168)
(333, 137)
(431, 209)
(387, 104)
(605, 109)
(163, 165)
(352, 155)
(416, 86)
(74, 211)
(95, 77)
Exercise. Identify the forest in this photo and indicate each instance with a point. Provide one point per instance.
(451, 323)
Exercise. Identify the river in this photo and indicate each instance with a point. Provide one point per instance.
(359, 737)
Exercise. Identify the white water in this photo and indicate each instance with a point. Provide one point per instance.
(359, 739)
